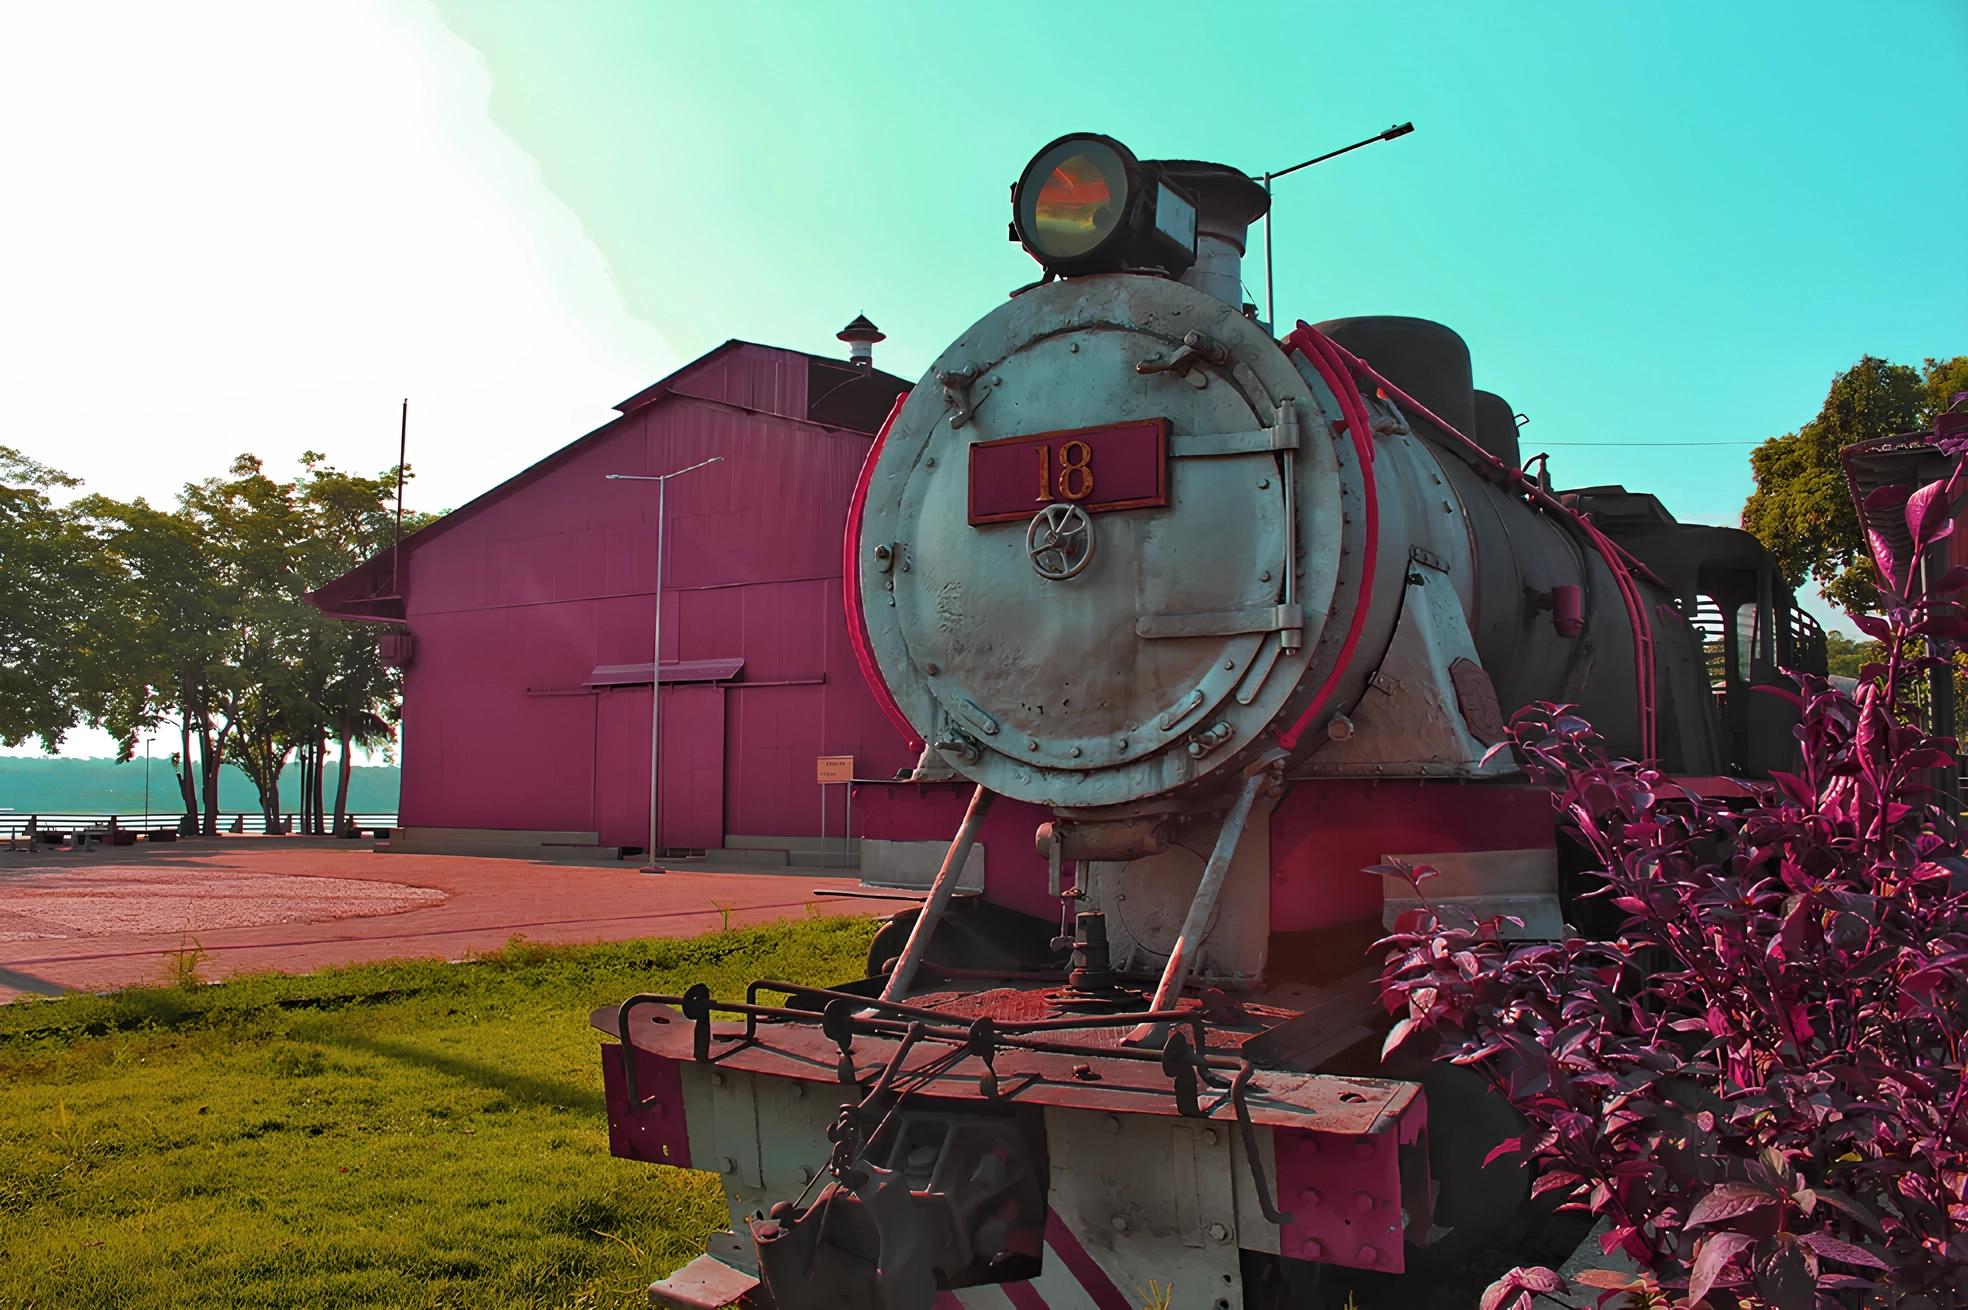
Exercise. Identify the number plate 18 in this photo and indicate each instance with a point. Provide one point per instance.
(1117, 466)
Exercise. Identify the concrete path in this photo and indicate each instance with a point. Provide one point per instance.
(112, 917)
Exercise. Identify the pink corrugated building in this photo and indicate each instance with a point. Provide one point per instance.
(528, 619)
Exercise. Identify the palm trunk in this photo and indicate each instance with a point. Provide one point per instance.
(266, 780)
(320, 785)
(303, 815)
(342, 780)
(186, 786)
(267, 765)
(209, 762)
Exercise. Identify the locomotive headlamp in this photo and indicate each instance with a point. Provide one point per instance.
(1085, 204)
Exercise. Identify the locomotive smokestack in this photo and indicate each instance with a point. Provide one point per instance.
(1227, 203)
(861, 336)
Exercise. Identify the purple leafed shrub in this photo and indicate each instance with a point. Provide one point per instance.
(1759, 1083)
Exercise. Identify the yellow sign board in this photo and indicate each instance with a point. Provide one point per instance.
(836, 768)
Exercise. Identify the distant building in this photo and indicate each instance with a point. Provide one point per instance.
(526, 621)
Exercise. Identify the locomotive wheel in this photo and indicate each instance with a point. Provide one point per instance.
(1477, 1203)
(1275, 1282)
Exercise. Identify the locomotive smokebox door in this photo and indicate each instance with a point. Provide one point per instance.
(1118, 510)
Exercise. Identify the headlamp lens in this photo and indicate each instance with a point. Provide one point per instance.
(1077, 193)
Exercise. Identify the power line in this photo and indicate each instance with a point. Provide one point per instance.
(1610, 444)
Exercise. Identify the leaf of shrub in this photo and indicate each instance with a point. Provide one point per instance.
(1712, 1256)
(1525, 1280)
(1399, 1033)
(1727, 1201)
(1785, 1275)
(1508, 1146)
(1844, 1252)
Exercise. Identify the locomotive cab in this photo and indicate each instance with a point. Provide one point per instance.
(1753, 633)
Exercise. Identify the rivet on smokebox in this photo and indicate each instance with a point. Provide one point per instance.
(1364, 1149)
(1368, 1255)
(1311, 1196)
(717, 1080)
(730, 1164)
(1031, 745)
(1363, 1201)
(1114, 1123)
(1219, 1233)
(1309, 1248)
(1340, 728)
(1264, 484)
(1120, 1223)
(1209, 1137)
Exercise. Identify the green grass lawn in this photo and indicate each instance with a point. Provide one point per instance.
(413, 1134)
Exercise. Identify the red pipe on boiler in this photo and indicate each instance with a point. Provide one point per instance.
(1318, 350)
(857, 630)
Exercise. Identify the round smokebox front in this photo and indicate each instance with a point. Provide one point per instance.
(1075, 556)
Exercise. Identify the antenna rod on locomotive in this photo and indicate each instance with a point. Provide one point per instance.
(1271, 214)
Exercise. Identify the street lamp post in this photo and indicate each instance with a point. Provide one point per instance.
(656, 644)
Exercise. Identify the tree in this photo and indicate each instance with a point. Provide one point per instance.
(163, 635)
(1801, 509)
(257, 535)
(350, 520)
(1846, 655)
(126, 616)
(50, 671)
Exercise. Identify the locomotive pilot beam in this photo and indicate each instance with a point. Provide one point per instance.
(1227, 617)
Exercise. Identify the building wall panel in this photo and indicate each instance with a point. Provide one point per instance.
(514, 605)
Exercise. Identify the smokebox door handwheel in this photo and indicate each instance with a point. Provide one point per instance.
(1101, 543)
(1060, 542)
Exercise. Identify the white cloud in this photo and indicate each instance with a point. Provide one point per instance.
(253, 226)
(258, 226)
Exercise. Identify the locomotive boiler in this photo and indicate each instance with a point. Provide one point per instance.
(1214, 616)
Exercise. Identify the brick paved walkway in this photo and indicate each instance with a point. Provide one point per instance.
(110, 917)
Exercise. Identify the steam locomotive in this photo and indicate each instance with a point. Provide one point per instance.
(1230, 616)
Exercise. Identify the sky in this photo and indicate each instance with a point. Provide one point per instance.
(1661, 228)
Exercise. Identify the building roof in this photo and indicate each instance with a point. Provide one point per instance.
(838, 396)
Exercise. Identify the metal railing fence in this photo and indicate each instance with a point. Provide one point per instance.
(97, 826)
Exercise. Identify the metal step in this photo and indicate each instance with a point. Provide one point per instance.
(706, 1283)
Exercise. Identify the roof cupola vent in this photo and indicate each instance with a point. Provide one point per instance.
(861, 336)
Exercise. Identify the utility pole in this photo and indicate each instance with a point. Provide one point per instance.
(656, 647)
(396, 547)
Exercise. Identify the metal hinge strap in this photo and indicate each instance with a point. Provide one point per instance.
(1221, 623)
(1256, 441)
